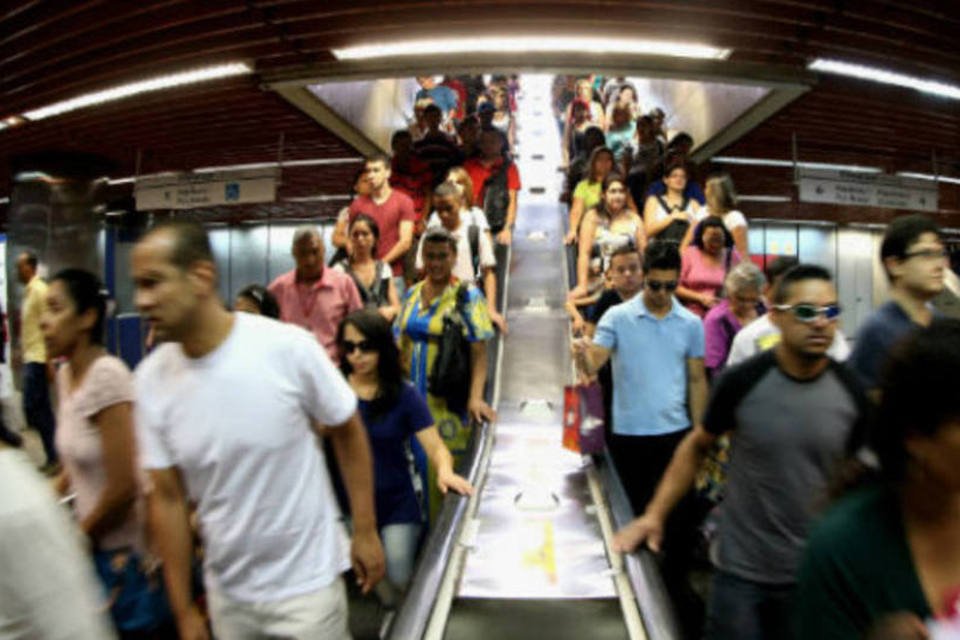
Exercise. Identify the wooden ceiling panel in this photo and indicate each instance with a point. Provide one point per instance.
(51, 50)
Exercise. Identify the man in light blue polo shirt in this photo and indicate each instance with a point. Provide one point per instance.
(659, 393)
(659, 385)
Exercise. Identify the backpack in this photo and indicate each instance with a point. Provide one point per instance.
(496, 197)
(376, 295)
(450, 375)
(676, 229)
(473, 237)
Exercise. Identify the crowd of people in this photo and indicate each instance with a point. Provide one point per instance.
(740, 423)
(237, 437)
(738, 413)
(205, 485)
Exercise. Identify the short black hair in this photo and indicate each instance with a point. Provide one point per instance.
(904, 232)
(31, 259)
(630, 248)
(681, 138)
(432, 108)
(796, 274)
(263, 299)
(661, 255)
(918, 393)
(779, 266)
(86, 292)
(398, 134)
(706, 223)
(439, 235)
(190, 243)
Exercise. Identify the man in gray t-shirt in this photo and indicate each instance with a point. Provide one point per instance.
(795, 414)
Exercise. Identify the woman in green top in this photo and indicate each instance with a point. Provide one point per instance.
(886, 558)
(586, 195)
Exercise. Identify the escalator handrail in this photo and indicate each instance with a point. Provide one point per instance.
(414, 613)
(642, 568)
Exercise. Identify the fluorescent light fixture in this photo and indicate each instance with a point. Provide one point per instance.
(323, 197)
(884, 76)
(127, 180)
(769, 162)
(532, 44)
(313, 162)
(4, 125)
(135, 88)
(928, 176)
(761, 198)
(4, 200)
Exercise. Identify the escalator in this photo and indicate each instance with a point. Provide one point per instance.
(528, 555)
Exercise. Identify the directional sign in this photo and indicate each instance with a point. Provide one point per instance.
(192, 191)
(867, 190)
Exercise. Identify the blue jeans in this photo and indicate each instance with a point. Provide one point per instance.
(36, 406)
(745, 610)
(400, 548)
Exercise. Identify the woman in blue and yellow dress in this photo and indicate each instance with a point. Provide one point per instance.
(420, 325)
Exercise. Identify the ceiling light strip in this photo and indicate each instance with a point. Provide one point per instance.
(770, 162)
(885, 76)
(323, 197)
(136, 88)
(532, 44)
(311, 162)
(928, 176)
(764, 198)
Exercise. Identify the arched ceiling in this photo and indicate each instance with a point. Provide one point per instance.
(55, 49)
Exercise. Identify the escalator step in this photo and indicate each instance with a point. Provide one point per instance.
(482, 619)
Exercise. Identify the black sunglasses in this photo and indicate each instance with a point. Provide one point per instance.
(656, 285)
(365, 346)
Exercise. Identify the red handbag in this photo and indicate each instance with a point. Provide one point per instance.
(584, 420)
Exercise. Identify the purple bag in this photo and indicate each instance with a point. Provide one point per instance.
(584, 420)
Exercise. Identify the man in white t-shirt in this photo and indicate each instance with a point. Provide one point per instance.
(225, 413)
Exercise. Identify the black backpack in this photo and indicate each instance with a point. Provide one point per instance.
(496, 197)
(676, 229)
(450, 375)
(473, 236)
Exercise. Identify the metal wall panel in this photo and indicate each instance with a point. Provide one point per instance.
(855, 255)
(248, 262)
(818, 245)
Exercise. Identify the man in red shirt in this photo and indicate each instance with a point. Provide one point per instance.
(392, 210)
(490, 169)
(410, 174)
(312, 296)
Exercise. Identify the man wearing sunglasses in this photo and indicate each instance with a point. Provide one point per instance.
(796, 414)
(656, 349)
(915, 260)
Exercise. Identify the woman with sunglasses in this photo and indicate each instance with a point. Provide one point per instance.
(706, 263)
(374, 278)
(97, 443)
(393, 412)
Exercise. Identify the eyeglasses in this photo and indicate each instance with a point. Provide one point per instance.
(810, 312)
(927, 254)
(656, 285)
(365, 346)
